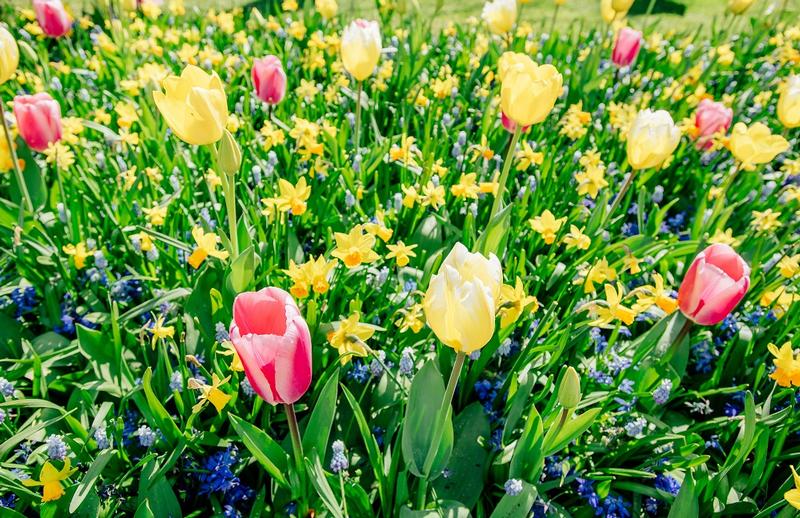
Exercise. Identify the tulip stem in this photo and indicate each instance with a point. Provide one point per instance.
(682, 334)
(23, 187)
(720, 201)
(621, 195)
(229, 185)
(501, 186)
(438, 426)
(297, 445)
(356, 133)
(553, 21)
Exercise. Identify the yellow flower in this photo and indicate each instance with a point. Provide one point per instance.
(293, 197)
(355, 247)
(500, 15)
(787, 368)
(508, 60)
(467, 186)
(79, 254)
(739, 6)
(529, 91)
(50, 479)
(432, 195)
(766, 220)
(547, 226)
(402, 252)
(461, 299)
(793, 495)
(600, 272)
(611, 309)
(527, 157)
(725, 238)
(210, 393)
(654, 295)
(9, 55)
(755, 144)
(160, 331)
(349, 337)
(156, 215)
(206, 245)
(778, 300)
(411, 318)
(310, 275)
(652, 139)
(59, 154)
(789, 102)
(326, 8)
(410, 196)
(194, 105)
(789, 265)
(576, 238)
(512, 301)
(361, 48)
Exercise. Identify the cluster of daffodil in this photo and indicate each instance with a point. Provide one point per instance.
(295, 262)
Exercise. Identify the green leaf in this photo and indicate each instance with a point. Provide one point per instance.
(265, 450)
(493, 238)
(685, 504)
(518, 505)
(157, 494)
(424, 401)
(571, 430)
(32, 176)
(86, 485)
(163, 420)
(320, 482)
(315, 437)
(528, 456)
(241, 272)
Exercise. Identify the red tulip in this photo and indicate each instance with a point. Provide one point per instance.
(715, 283)
(274, 344)
(269, 79)
(626, 47)
(38, 120)
(711, 117)
(52, 17)
(510, 125)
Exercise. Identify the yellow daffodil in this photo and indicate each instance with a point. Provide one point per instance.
(50, 480)
(206, 246)
(526, 157)
(725, 238)
(577, 239)
(349, 337)
(355, 247)
(412, 318)
(512, 301)
(210, 393)
(648, 296)
(293, 197)
(599, 273)
(789, 265)
(310, 275)
(793, 495)
(156, 215)
(778, 300)
(611, 309)
(766, 220)
(194, 105)
(547, 226)
(160, 331)
(401, 252)
(79, 254)
(787, 367)
(229, 350)
(467, 186)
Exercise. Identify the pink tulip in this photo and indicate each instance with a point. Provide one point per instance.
(711, 117)
(626, 47)
(269, 79)
(274, 344)
(38, 120)
(52, 17)
(715, 283)
(510, 125)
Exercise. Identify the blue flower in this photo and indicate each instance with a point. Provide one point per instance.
(513, 486)
(667, 484)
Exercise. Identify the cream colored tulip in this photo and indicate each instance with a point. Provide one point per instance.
(652, 139)
(500, 15)
(361, 48)
(789, 103)
(9, 55)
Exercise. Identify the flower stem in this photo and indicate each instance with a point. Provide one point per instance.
(720, 201)
(229, 186)
(297, 445)
(438, 428)
(356, 133)
(553, 21)
(673, 348)
(501, 186)
(621, 195)
(23, 187)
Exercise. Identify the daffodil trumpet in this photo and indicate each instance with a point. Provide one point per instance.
(23, 187)
(438, 427)
(501, 186)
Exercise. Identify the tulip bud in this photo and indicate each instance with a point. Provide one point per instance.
(9, 55)
(38, 120)
(716, 282)
(274, 344)
(461, 299)
(789, 103)
(269, 79)
(652, 139)
(569, 392)
(52, 17)
(230, 155)
(626, 48)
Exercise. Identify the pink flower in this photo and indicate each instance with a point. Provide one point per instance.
(510, 125)
(626, 47)
(269, 79)
(38, 120)
(715, 283)
(52, 17)
(711, 117)
(274, 344)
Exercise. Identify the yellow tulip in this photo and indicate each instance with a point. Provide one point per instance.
(461, 299)
(500, 15)
(529, 91)
(361, 48)
(9, 55)
(327, 8)
(508, 60)
(194, 105)
(739, 6)
(789, 102)
(621, 5)
(652, 139)
(755, 144)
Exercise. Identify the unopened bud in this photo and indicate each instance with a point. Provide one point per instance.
(230, 155)
(569, 392)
